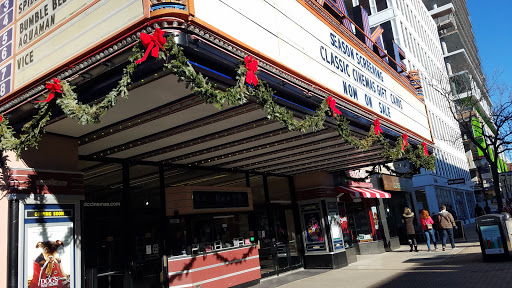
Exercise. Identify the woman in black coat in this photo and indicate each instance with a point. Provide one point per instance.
(409, 220)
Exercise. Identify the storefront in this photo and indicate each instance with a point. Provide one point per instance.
(401, 196)
(167, 189)
(234, 223)
(361, 207)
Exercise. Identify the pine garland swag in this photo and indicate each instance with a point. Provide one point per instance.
(178, 64)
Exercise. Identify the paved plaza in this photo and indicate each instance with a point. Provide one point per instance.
(460, 267)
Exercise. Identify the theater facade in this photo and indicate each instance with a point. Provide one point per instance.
(149, 174)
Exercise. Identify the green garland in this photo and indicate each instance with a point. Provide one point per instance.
(178, 64)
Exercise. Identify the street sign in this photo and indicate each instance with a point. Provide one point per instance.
(456, 181)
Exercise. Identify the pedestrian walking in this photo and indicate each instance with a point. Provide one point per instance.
(409, 220)
(487, 209)
(508, 207)
(427, 224)
(450, 210)
(446, 224)
(437, 230)
(479, 211)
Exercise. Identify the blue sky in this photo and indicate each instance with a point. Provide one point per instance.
(489, 20)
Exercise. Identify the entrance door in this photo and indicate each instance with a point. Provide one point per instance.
(276, 238)
(286, 242)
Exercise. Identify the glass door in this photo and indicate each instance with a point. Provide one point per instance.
(259, 222)
(287, 253)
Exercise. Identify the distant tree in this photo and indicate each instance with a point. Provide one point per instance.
(486, 125)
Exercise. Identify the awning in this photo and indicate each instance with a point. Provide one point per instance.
(362, 192)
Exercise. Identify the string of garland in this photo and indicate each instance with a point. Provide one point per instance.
(178, 64)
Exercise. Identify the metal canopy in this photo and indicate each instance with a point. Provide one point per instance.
(162, 122)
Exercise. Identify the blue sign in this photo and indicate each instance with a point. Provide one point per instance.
(5, 79)
(6, 44)
(6, 13)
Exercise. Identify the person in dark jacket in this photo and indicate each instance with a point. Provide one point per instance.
(450, 210)
(487, 209)
(408, 219)
(479, 211)
(446, 224)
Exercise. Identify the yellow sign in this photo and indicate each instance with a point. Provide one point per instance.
(48, 213)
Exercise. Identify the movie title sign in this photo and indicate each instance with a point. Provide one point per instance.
(302, 42)
(50, 32)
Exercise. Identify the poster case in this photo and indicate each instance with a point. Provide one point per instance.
(333, 216)
(49, 252)
(313, 228)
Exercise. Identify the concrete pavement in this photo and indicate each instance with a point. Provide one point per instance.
(460, 267)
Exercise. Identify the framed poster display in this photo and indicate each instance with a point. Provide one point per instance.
(50, 257)
(313, 226)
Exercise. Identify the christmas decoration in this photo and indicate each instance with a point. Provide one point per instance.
(332, 104)
(377, 128)
(178, 64)
(425, 148)
(405, 141)
(251, 64)
(152, 43)
(53, 87)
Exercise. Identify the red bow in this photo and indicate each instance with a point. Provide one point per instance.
(153, 43)
(332, 104)
(425, 148)
(53, 87)
(405, 141)
(376, 123)
(252, 65)
(1, 118)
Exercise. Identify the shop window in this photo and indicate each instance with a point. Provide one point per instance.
(460, 204)
(470, 200)
(444, 197)
(360, 221)
(223, 230)
(421, 201)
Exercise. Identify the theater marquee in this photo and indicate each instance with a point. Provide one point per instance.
(305, 44)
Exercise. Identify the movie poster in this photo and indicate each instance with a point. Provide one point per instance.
(49, 247)
(314, 231)
(335, 225)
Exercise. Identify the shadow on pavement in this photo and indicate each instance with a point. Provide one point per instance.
(276, 281)
(465, 269)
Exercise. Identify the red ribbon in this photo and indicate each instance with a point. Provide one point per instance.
(376, 123)
(53, 87)
(425, 148)
(153, 43)
(332, 104)
(1, 118)
(252, 65)
(405, 141)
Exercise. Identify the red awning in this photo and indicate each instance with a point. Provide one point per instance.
(362, 192)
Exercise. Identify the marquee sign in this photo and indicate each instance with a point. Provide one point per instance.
(37, 36)
(305, 44)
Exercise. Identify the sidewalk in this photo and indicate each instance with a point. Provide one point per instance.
(460, 267)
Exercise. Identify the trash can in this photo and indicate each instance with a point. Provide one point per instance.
(494, 233)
